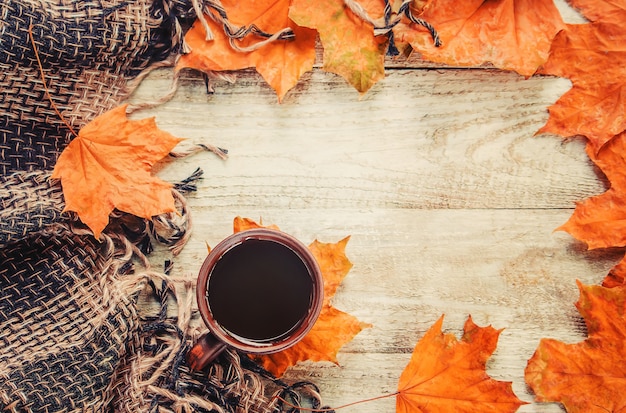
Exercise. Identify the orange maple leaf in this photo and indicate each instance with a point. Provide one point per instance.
(242, 224)
(510, 34)
(616, 276)
(592, 57)
(600, 221)
(589, 376)
(447, 375)
(350, 48)
(334, 328)
(417, 6)
(281, 63)
(108, 165)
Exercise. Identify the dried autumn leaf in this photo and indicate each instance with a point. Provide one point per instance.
(616, 276)
(589, 376)
(334, 265)
(510, 34)
(609, 11)
(592, 57)
(419, 6)
(108, 165)
(243, 224)
(334, 328)
(281, 63)
(600, 221)
(350, 48)
(447, 375)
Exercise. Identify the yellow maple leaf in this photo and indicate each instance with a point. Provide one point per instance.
(351, 49)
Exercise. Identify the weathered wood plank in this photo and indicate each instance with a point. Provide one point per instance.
(419, 139)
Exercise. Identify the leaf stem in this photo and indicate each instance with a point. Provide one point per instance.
(330, 409)
(45, 86)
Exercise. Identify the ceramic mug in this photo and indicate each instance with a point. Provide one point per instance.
(259, 291)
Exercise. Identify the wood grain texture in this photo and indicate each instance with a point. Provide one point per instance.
(419, 139)
(449, 197)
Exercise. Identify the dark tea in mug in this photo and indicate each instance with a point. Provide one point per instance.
(259, 291)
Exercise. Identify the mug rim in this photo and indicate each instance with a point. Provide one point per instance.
(290, 337)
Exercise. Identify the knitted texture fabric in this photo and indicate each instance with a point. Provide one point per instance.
(88, 51)
(72, 337)
(64, 322)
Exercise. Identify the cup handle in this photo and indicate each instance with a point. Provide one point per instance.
(204, 351)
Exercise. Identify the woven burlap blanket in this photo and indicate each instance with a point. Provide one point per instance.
(71, 335)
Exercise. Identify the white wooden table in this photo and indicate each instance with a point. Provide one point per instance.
(436, 173)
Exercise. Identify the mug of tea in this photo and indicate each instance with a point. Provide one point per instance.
(259, 291)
